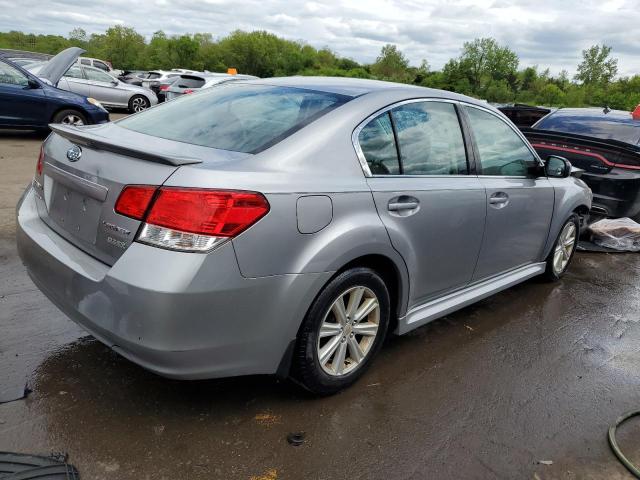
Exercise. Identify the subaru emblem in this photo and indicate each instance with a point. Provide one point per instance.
(74, 153)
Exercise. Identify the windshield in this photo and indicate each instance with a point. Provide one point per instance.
(238, 117)
(608, 128)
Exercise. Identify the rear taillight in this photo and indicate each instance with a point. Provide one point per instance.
(164, 88)
(134, 200)
(187, 91)
(40, 163)
(190, 219)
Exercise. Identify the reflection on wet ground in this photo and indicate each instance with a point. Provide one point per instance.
(533, 374)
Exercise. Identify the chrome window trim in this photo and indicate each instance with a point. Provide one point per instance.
(365, 166)
(377, 113)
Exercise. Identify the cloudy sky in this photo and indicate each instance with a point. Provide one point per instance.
(549, 33)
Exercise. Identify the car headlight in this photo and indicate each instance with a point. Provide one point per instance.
(95, 102)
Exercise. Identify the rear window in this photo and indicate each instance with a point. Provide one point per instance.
(611, 128)
(188, 81)
(237, 117)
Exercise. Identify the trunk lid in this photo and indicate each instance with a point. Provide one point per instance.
(83, 173)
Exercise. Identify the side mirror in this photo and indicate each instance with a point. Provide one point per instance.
(31, 83)
(557, 167)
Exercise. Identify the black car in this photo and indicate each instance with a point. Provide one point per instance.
(523, 115)
(605, 144)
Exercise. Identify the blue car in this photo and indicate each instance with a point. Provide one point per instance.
(30, 102)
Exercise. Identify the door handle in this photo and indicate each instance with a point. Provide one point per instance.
(399, 206)
(499, 199)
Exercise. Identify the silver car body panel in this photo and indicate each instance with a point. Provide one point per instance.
(187, 315)
(111, 92)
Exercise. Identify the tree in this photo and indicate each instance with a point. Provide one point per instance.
(391, 65)
(597, 68)
(484, 60)
(123, 46)
(78, 36)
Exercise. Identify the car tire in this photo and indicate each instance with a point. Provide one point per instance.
(70, 117)
(563, 249)
(138, 103)
(354, 340)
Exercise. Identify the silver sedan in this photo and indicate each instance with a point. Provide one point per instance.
(104, 87)
(289, 225)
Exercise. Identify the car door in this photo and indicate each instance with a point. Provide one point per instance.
(103, 89)
(414, 155)
(21, 104)
(74, 81)
(520, 198)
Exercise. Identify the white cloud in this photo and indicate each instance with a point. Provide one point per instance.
(547, 32)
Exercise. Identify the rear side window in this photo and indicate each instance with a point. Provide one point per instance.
(97, 75)
(85, 61)
(429, 139)
(418, 138)
(74, 72)
(189, 81)
(502, 151)
(237, 117)
(378, 145)
(607, 128)
(100, 65)
(153, 75)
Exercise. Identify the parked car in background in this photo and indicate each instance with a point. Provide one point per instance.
(286, 225)
(96, 63)
(154, 77)
(132, 77)
(523, 115)
(606, 145)
(163, 86)
(29, 102)
(191, 83)
(105, 88)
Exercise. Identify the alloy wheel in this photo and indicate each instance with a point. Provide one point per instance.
(348, 331)
(139, 104)
(564, 248)
(72, 119)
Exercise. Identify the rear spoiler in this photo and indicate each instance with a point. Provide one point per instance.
(607, 144)
(88, 138)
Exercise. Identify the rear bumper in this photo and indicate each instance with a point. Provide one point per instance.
(180, 315)
(615, 194)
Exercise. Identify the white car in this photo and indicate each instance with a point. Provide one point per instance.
(95, 62)
(192, 83)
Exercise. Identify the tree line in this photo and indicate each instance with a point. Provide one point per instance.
(484, 69)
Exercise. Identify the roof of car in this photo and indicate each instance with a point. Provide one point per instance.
(356, 87)
(593, 113)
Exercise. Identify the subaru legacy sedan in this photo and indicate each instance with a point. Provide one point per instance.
(287, 226)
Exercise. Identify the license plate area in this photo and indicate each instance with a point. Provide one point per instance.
(74, 212)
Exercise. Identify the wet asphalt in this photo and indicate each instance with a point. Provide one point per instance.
(536, 373)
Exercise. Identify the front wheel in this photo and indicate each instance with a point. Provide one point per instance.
(138, 103)
(69, 117)
(342, 332)
(560, 257)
